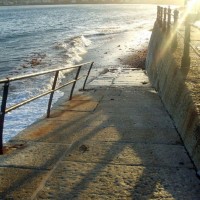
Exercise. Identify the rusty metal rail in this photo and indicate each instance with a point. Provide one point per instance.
(7, 82)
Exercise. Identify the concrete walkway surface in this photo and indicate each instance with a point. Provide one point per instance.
(113, 141)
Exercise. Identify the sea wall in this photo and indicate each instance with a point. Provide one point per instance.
(177, 87)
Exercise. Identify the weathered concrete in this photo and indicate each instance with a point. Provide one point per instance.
(177, 86)
(114, 141)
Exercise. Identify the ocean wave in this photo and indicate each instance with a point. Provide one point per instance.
(77, 42)
(72, 49)
(68, 53)
(94, 34)
(105, 31)
(65, 53)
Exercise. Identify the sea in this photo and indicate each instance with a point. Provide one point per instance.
(38, 38)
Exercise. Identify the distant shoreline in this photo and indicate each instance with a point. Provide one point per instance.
(80, 4)
(85, 2)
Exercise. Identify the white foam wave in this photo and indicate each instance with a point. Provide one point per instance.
(73, 48)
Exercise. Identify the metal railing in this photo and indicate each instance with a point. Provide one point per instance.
(164, 16)
(4, 110)
(193, 47)
(188, 44)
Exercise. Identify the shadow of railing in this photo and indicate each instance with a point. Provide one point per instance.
(104, 141)
(97, 162)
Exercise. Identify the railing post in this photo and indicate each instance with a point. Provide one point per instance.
(161, 16)
(176, 14)
(158, 14)
(87, 75)
(2, 114)
(164, 20)
(52, 93)
(74, 84)
(169, 20)
(186, 52)
(175, 42)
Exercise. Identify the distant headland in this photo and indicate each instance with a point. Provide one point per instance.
(50, 2)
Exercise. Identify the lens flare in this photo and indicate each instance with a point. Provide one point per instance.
(173, 32)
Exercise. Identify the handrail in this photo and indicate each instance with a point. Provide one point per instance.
(165, 23)
(36, 97)
(39, 73)
(164, 17)
(190, 44)
(4, 110)
(195, 50)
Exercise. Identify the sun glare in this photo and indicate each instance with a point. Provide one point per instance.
(193, 5)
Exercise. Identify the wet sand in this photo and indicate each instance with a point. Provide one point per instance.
(124, 50)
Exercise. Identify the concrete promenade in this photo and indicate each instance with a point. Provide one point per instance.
(113, 141)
